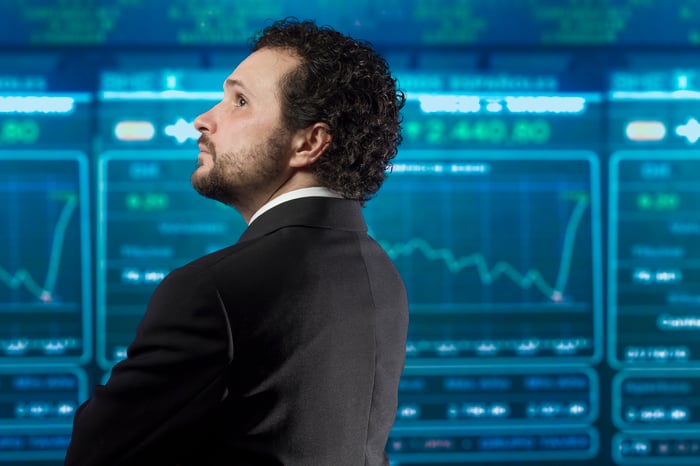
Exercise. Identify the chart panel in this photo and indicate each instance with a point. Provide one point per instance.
(45, 262)
(500, 253)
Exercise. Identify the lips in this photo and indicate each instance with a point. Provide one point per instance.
(205, 145)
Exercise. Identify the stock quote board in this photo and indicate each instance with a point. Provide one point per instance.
(45, 267)
(492, 215)
(546, 233)
(152, 221)
(413, 23)
(654, 226)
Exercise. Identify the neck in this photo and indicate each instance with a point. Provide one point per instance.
(297, 180)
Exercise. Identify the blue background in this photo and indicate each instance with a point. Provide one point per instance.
(543, 211)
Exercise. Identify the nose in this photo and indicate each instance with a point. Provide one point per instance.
(204, 123)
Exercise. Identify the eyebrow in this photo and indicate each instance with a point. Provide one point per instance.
(230, 82)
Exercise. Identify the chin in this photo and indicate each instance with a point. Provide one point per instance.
(198, 174)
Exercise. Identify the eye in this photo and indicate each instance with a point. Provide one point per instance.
(240, 101)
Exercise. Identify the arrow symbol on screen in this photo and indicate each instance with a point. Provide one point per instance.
(690, 130)
(182, 130)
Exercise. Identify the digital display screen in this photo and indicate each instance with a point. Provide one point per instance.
(442, 222)
(397, 22)
(44, 272)
(543, 211)
(152, 219)
(653, 284)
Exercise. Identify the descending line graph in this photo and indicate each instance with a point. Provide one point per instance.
(533, 277)
(24, 278)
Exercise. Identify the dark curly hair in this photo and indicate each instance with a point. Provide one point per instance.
(347, 85)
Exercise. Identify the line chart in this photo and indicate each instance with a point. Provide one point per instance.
(23, 277)
(533, 277)
(500, 255)
(44, 258)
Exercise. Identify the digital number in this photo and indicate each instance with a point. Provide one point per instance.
(436, 131)
(19, 131)
(146, 201)
(658, 201)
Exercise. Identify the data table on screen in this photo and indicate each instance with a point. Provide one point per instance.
(496, 397)
(152, 222)
(427, 447)
(654, 277)
(20, 445)
(36, 397)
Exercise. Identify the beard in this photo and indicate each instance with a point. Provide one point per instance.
(236, 177)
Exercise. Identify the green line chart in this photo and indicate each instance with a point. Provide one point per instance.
(488, 275)
(23, 278)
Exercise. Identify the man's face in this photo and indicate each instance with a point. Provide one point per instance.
(244, 148)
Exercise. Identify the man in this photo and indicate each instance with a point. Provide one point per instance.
(287, 347)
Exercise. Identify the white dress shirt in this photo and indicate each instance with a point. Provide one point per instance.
(316, 191)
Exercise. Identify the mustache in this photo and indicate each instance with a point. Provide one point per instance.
(204, 141)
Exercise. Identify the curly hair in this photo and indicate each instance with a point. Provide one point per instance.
(347, 85)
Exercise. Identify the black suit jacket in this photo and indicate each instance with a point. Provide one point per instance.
(284, 349)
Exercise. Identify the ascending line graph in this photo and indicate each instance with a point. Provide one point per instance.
(23, 277)
(487, 274)
(44, 292)
(42, 256)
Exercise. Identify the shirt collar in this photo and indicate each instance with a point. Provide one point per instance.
(316, 191)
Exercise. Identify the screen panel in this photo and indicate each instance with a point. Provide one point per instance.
(541, 332)
(652, 278)
(405, 22)
(151, 219)
(496, 234)
(46, 286)
(45, 270)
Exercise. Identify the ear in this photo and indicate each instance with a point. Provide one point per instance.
(309, 144)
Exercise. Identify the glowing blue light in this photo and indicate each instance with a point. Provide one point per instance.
(411, 348)
(577, 409)
(690, 130)
(487, 347)
(17, 346)
(409, 411)
(545, 104)
(682, 94)
(679, 414)
(448, 103)
(171, 94)
(182, 130)
(36, 104)
(54, 347)
(447, 348)
(65, 409)
(474, 410)
(499, 410)
(154, 276)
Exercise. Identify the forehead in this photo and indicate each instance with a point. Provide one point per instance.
(261, 71)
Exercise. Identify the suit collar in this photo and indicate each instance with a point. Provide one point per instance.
(319, 212)
(314, 191)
